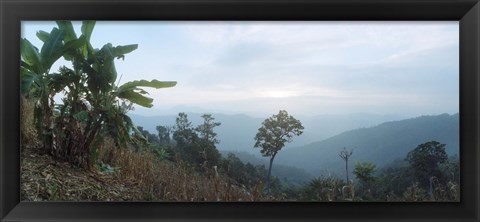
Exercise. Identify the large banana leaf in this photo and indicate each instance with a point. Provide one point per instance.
(102, 74)
(87, 29)
(28, 78)
(31, 56)
(120, 51)
(43, 36)
(51, 46)
(66, 51)
(131, 91)
(144, 83)
(69, 31)
(136, 98)
(69, 48)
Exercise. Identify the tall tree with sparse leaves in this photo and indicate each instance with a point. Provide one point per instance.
(345, 155)
(274, 133)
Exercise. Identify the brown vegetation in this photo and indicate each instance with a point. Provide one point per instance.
(137, 177)
(134, 176)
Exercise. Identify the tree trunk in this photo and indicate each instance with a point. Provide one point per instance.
(346, 169)
(269, 173)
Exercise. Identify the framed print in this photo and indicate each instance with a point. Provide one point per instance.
(239, 110)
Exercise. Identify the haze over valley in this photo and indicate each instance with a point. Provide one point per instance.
(381, 139)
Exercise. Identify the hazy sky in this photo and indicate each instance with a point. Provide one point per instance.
(307, 68)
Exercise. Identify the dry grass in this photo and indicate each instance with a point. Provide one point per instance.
(139, 176)
(167, 181)
(45, 179)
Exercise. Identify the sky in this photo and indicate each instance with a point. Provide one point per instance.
(306, 68)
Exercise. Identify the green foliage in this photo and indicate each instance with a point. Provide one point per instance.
(322, 189)
(196, 149)
(205, 130)
(208, 139)
(237, 170)
(394, 180)
(183, 130)
(276, 131)
(364, 172)
(162, 153)
(31, 57)
(426, 159)
(451, 169)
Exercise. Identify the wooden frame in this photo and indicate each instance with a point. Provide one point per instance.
(13, 12)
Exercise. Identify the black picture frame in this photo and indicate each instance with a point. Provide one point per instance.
(12, 12)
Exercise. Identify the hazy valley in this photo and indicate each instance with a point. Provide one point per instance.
(380, 139)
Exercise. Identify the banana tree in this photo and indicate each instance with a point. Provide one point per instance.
(36, 80)
(92, 103)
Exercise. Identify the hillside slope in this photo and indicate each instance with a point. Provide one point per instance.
(292, 175)
(379, 144)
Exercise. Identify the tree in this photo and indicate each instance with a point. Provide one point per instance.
(206, 129)
(192, 147)
(37, 82)
(208, 139)
(92, 102)
(164, 134)
(184, 136)
(426, 160)
(274, 133)
(364, 172)
(184, 132)
(345, 155)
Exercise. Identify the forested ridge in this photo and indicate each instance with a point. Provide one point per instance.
(84, 146)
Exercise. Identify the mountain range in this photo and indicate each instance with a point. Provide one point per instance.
(379, 144)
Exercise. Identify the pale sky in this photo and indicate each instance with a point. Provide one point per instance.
(306, 68)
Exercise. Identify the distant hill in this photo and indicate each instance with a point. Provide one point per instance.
(237, 131)
(380, 144)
